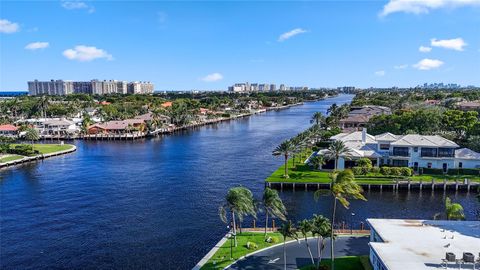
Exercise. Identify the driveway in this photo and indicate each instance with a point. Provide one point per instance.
(297, 253)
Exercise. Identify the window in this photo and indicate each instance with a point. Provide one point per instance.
(429, 165)
(400, 151)
(446, 152)
(428, 152)
(460, 165)
(384, 146)
(415, 149)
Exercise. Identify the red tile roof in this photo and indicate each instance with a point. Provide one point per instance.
(8, 127)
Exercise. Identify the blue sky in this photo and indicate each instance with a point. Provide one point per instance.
(211, 45)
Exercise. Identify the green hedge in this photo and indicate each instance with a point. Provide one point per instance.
(463, 171)
(431, 171)
(390, 171)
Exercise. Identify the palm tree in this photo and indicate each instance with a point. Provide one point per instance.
(287, 230)
(317, 162)
(273, 206)
(32, 135)
(285, 149)
(321, 228)
(239, 201)
(337, 149)
(305, 226)
(453, 211)
(343, 187)
(318, 118)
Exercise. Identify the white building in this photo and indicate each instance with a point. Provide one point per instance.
(97, 87)
(397, 244)
(52, 87)
(412, 150)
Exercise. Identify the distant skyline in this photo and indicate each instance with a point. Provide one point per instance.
(211, 45)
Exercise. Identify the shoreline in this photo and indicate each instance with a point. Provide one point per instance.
(37, 157)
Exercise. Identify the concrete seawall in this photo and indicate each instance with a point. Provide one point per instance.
(37, 157)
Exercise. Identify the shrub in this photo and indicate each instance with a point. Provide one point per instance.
(272, 239)
(385, 170)
(23, 149)
(357, 170)
(405, 171)
(364, 162)
(396, 171)
(251, 245)
(432, 171)
(463, 171)
(375, 170)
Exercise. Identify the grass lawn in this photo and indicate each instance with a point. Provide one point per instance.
(345, 263)
(49, 148)
(222, 256)
(303, 174)
(10, 158)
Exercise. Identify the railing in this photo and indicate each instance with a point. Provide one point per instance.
(399, 153)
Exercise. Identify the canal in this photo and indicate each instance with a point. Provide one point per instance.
(153, 204)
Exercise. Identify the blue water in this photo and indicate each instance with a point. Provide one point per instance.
(153, 204)
(12, 93)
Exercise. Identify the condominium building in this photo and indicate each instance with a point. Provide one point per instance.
(96, 87)
(53, 87)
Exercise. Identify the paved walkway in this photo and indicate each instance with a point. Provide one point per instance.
(297, 253)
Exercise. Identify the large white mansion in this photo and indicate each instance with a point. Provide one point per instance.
(412, 150)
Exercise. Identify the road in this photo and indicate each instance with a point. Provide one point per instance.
(297, 254)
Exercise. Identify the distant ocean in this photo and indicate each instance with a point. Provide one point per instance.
(12, 93)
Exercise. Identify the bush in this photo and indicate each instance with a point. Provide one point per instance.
(375, 170)
(385, 170)
(396, 171)
(251, 245)
(364, 162)
(23, 150)
(431, 171)
(272, 239)
(357, 170)
(405, 171)
(463, 171)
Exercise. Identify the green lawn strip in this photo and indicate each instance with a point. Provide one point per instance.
(10, 158)
(441, 177)
(345, 263)
(49, 148)
(222, 256)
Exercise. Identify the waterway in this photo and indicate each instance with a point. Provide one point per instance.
(153, 204)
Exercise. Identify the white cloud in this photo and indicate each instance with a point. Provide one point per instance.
(8, 27)
(456, 44)
(84, 53)
(424, 49)
(427, 64)
(423, 6)
(37, 45)
(214, 77)
(291, 33)
(380, 73)
(70, 5)
(404, 66)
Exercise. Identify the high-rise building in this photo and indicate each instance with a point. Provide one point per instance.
(53, 87)
(96, 87)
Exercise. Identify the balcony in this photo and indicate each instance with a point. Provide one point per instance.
(399, 153)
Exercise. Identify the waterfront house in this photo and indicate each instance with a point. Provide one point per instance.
(412, 150)
(399, 244)
(58, 127)
(468, 105)
(358, 117)
(118, 127)
(8, 130)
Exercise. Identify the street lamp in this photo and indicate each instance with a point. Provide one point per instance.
(351, 223)
(230, 235)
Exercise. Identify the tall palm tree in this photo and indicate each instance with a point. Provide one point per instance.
(305, 226)
(239, 201)
(321, 228)
(318, 118)
(336, 150)
(273, 206)
(32, 135)
(288, 231)
(285, 149)
(453, 211)
(343, 187)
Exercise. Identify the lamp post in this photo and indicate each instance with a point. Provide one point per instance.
(351, 223)
(230, 235)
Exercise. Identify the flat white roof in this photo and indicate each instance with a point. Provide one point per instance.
(422, 244)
